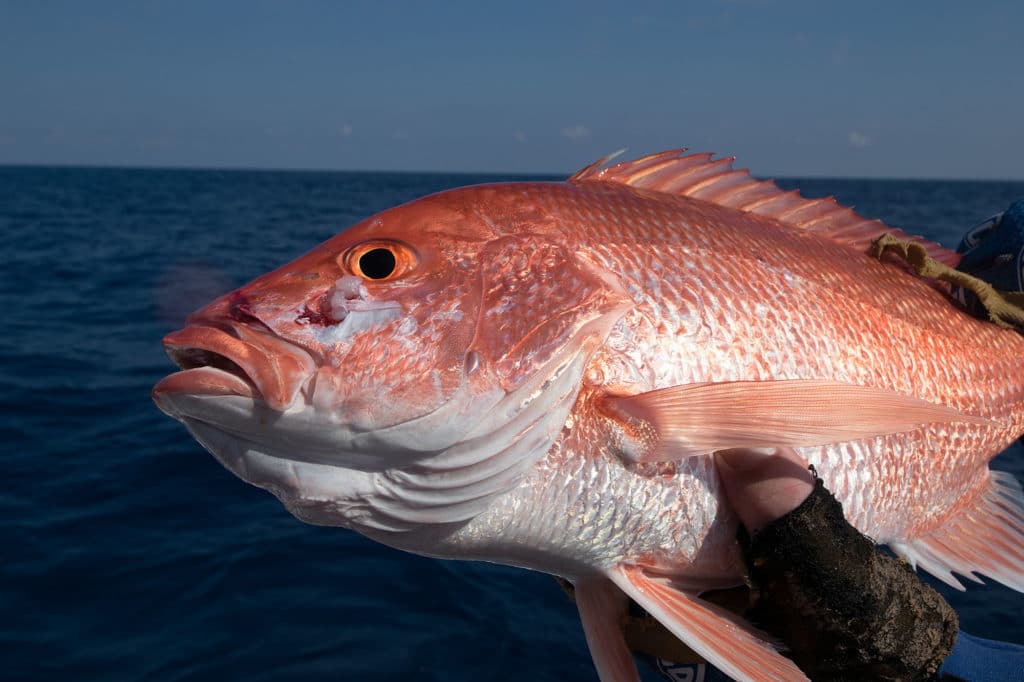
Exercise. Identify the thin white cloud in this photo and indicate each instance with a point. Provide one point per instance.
(859, 140)
(520, 136)
(346, 130)
(576, 132)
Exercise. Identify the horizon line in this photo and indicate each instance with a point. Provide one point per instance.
(516, 174)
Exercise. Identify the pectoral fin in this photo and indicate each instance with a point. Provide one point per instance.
(728, 643)
(697, 419)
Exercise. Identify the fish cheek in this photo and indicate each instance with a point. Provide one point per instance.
(540, 301)
(391, 373)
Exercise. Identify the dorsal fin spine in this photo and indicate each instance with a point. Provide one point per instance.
(647, 172)
(813, 210)
(710, 188)
(707, 171)
(747, 193)
(766, 201)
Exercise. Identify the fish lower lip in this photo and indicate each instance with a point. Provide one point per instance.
(244, 362)
(206, 380)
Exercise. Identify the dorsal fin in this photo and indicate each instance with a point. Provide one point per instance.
(715, 181)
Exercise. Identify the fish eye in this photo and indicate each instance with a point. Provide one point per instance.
(379, 260)
(378, 263)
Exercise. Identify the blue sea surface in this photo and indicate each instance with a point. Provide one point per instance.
(130, 554)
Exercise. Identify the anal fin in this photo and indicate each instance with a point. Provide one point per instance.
(732, 646)
(987, 539)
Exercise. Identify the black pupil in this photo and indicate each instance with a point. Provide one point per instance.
(377, 263)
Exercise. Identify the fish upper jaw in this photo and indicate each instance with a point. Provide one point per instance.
(221, 358)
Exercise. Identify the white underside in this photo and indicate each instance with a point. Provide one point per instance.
(443, 468)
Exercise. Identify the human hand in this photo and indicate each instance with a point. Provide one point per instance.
(843, 609)
(763, 484)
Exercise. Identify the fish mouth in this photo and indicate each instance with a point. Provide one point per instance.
(227, 359)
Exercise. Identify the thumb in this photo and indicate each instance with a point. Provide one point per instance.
(763, 484)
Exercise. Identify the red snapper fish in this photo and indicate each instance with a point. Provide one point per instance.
(535, 374)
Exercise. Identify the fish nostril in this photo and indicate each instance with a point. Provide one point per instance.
(471, 362)
(313, 313)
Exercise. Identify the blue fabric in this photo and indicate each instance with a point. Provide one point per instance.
(994, 252)
(979, 660)
(973, 659)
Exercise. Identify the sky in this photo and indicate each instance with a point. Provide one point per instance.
(852, 89)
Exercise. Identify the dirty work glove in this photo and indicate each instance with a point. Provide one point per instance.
(842, 609)
(845, 610)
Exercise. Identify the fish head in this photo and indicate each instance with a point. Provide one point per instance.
(402, 373)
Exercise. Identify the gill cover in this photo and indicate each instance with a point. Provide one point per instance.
(542, 311)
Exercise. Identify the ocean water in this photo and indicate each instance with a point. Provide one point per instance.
(130, 554)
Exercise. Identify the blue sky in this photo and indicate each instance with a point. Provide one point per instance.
(867, 89)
